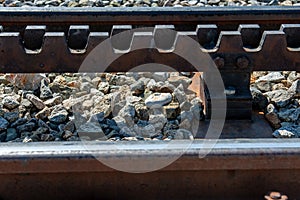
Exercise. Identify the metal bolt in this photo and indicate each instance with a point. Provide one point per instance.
(219, 61)
(242, 62)
(42, 65)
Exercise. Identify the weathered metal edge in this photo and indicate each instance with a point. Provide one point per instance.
(227, 154)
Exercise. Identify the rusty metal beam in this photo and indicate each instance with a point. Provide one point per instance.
(234, 169)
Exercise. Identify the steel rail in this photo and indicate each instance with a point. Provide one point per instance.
(235, 169)
(153, 15)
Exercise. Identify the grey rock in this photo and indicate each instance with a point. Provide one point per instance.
(159, 118)
(27, 139)
(104, 87)
(113, 134)
(11, 116)
(8, 90)
(286, 132)
(41, 123)
(160, 76)
(45, 91)
(37, 102)
(10, 102)
(11, 134)
(47, 137)
(172, 110)
(103, 106)
(117, 107)
(120, 121)
(146, 131)
(78, 119)
(61, 89)
(273, 119)
(2, 136)
(279, 86)
(185, 124)
(161, 87)
(53, 101)
(127, 132)
(41, 130)
(197, 111)
(281, 98)
(196, 101)
(213, 1)
(86, 86)
(28, 81)
(177, 80)
(43, 114)
(142, 111)
(259, 102)
(193, 2)
(91, 131)
(138, 87)
(295, 88)
(264, 86)
(121, 80)
(151, 84)
(186, 115)
(26, 103)
(70, 126)
(183, 134)
(179, 94)
(289, 115)
(68, 134)
(274, 77)
(3, 124)
(128, 113)
(29, 126)
(58, 115)
(134, 100)
(18, 122)
(293, 76)
(186, 105)
(166, 87)
(157, 100)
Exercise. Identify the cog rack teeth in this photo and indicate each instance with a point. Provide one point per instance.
(230, 41)
(281, 47)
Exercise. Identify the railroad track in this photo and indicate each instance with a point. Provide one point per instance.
(238, 40)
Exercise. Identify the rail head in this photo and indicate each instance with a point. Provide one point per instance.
(227, 154)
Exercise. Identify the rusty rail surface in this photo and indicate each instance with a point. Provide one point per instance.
(234, 169)
(266, 37)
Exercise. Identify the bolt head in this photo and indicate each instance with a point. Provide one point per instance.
(219, 61)
(242, 62)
